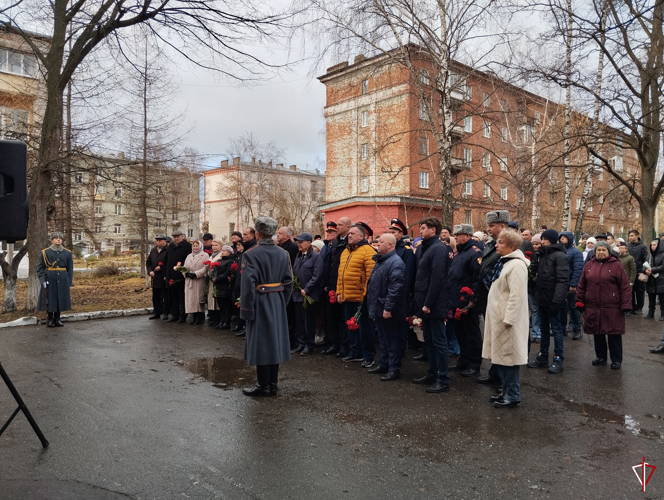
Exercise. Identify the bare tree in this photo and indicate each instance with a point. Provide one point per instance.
(219, 26)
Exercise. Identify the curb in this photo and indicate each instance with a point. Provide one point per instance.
(32, 320)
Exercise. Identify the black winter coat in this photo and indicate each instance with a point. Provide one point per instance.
(337, 247)
(640, 253)
(386, 289)
(408, 258)
(464, 271)
(309, 271)
(223, 287)
(175, 254)
(156, 256)
(656, 261)
(292, 250)
(237, 291)
(432, 261)
(552, 283)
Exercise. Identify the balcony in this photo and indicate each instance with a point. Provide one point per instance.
(457, 130)
(459, 165)
(99, 215)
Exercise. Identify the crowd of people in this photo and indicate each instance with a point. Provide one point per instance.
(356, 289)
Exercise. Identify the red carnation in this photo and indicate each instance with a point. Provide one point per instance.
(214, 264)
(352, 324)
(161, 263)
(579, 305)
(234, 266)
(170, 283)
(237, 305)
(467, 291)
(410, 320)
(457, 314)
(333, 297)
(529, 254)
(207, 262)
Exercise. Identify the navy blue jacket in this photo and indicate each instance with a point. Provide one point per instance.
(309, 271)
(335, 249)
(386, 290)
(464, 270)
(574, 258)
(408, 258)
(432, 261)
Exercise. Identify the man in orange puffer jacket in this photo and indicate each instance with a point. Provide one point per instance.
(354, 269)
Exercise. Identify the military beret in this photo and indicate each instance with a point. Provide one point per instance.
(397, 224)
(501, 216)
(267, 226)
(463, 229)
(57, 234)
(366, 228)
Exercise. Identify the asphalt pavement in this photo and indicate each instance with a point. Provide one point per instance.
(148, 410)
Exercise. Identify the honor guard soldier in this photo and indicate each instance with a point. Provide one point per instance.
(55, 271)
(267, 285)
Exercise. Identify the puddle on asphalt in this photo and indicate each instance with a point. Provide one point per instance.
(224, 372)
(598, 413)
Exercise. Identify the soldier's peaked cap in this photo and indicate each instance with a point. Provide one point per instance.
(397, 224)
(331, 224)
(366, 228)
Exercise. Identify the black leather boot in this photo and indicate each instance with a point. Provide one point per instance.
(263, 387)
(56, 319)
(51, 321)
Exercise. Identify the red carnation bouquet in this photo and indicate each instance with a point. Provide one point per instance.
(528, 254)
(353, 323)
(467, 295)
(333, 297)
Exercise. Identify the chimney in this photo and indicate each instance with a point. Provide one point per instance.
(260, 163)
(253, 160)
(121, 156)
(293, 167)
(224, 163)
(236, 161)
(269, 163)
(280, 165)
(359, 58)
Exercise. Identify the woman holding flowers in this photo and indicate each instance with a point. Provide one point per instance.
(194, 271)
(208, 294)
(308, 278)
(506, 321)
(226, 275)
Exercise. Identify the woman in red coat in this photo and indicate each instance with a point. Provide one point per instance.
(605, 294)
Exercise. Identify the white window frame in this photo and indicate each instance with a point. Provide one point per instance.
(486, 191)
(467, 156)
(486, 129)
(468, 124)
(503, 192)
(503, 134)
(503, 163)
(117, 229)
(365, 87)
(467, 187)
(364, 184)
(364, 151)
(98, 227)
(486, 162)
(486, 99)
(118, 192)
(424, 77)
(423, 146)
(364, 119)
(118, 209)
(424, 180)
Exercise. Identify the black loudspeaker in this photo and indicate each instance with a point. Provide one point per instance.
(14, 207)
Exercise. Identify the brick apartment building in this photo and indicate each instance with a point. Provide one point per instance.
(382, 161)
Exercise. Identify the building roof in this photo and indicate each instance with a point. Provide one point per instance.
(265, 166)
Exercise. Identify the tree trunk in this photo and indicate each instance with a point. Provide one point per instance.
(144, 174)
(10, 275)
(567, 206)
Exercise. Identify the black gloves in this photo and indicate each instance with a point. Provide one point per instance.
(191, 276)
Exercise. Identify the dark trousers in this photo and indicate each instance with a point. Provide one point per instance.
(165, 302)
(225, 305)
(361, 341)
(615, 347)
(652, 302)
(510, 378)
(290, 315)
(638, 295)
(391, 341)
(177, 302)
(157, 301)
(435, 345)
(335, 326)
(469, 336)
(305, 323)
(267, 374)
(550, 324)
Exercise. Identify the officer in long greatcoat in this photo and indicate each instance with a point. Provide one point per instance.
(55, 271)
(267, 285)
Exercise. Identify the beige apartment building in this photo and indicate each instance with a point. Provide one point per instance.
(237, 192)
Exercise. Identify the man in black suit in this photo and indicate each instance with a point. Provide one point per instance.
(155, 266)
(174, 279)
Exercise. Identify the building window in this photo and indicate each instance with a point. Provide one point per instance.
(486, 100)
(158, 207)
(191, 218)
(19, 64)
(503, 134)
(78, 178)
(364, 151)
(589, 205)
(118, 172)
(467, 156)
(423, 110)
(190, 233)
(97, 227)
(78, 236)
(621, 210)
(78, 197)
(175, 216)
(486, 162)
(158, 190)
(467, 187)
(364, 184)
(537, 117)
(98, 209)
(118, 209)
(424, 147)
(636, 214)
(601, 219)
(503, 163)
(424, 180)
(314, 186)
(365, 87)
(424, 77)
(117, 229)
(520, 197)
(613, 229)
(468, 124)
(601, 175)
(578, 203)
(99, 171)
(100, 189)
(467, 216)
(157, 222)
(601, 198)
(486, 132)
(503, 192)
(365, 118)
(118, 192)
(486, 192)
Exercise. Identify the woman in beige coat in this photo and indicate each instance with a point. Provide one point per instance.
(506, 320)
(194, 283)
(213, 308)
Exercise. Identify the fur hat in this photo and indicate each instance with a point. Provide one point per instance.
(502, 216)
(267, 226)
(57, 234)
(463, 229)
